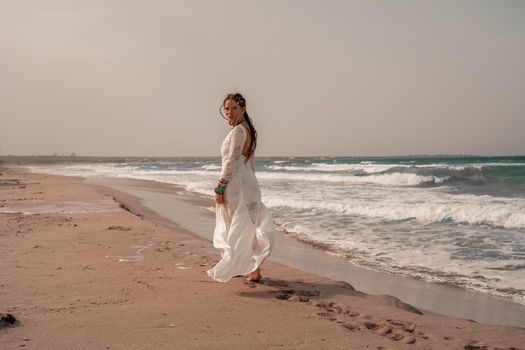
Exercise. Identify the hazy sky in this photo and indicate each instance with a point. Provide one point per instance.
(357, 78)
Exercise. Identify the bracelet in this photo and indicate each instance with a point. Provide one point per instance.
(221, 184)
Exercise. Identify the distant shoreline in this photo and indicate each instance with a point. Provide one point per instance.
(49, 159)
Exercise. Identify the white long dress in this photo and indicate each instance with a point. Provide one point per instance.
(244, 229)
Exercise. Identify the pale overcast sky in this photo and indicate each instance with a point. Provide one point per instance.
(335, 78)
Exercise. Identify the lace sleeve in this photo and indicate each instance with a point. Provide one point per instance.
(231, 163)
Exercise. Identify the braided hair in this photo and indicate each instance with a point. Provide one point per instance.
(241, 101)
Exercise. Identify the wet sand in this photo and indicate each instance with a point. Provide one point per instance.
(170, 201)
(91, 267)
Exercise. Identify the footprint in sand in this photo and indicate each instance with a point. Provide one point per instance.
(296, 295)
(378, 328)
(387, 331)
(289, 293)
(405, 326)
(283, 294)
(275, 283)
(334, 308)
(395, 330)
(404, 338)
(351, 313)
(338, 313)
(476, 345)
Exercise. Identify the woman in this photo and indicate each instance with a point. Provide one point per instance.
(244, 228)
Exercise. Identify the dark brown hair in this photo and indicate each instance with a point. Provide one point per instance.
(242, 102)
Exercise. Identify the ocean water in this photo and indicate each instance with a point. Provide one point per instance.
(459, 221)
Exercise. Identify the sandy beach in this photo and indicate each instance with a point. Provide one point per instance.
(86, 266)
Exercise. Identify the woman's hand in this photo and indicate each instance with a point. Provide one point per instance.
(219, 198)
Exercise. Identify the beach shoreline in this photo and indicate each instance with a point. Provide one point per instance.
(133, 259)
(434, 298)
(421, 219)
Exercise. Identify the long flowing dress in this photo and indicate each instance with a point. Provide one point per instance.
(244, 229)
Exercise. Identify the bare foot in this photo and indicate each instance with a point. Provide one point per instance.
(255, 276)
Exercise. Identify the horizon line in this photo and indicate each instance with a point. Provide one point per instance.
(76, 156)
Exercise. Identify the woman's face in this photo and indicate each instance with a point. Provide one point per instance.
(233, 111)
